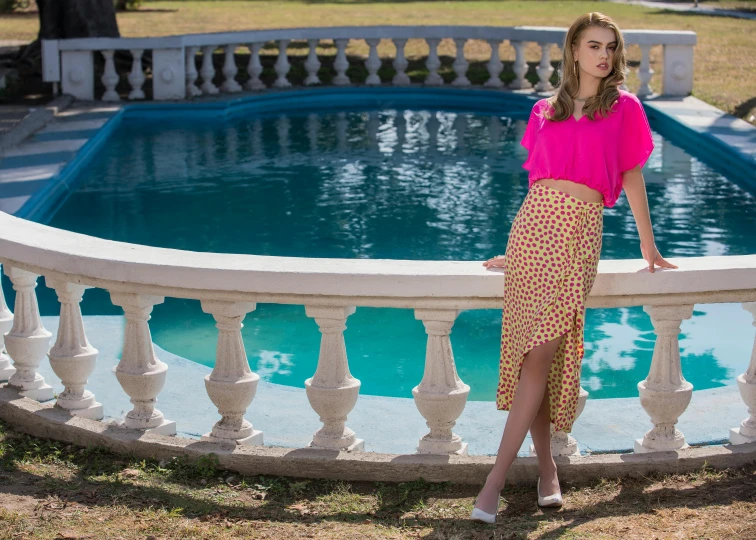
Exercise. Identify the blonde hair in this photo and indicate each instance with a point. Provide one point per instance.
(562, 102)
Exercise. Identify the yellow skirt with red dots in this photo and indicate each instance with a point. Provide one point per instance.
(550, 266)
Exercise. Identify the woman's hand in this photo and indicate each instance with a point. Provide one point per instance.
(653, 257)
(495, 262)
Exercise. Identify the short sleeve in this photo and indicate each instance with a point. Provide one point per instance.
(636, 141)
(531, 130)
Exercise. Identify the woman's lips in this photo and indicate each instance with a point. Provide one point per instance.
(603, 66)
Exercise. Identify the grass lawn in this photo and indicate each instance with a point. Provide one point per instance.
(725, 62)
(54, 490)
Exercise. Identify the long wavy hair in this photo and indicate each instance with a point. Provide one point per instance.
(562, 101)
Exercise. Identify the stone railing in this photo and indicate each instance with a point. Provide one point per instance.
(229, 286)
(179, 71)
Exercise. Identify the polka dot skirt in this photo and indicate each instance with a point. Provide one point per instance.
(550, 266)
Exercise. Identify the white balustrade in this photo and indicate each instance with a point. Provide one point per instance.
(254, 67)
(433, 63)
(441, 395)
(282, 65)
(73, 358)
(746, 432)
(207, 71)
(191, 72)
(373, 63)
(340, 63)
(460, 64)
(665, 394)
(312, 64)
(520, 68)
(6, 323)
(495, 66)
(544, 69)
(332, 390)
(231, 385)
(136, 77)
(645, 72)
(400, 64)
(139, 372)
(109, 78)
(28, 341)
(230, 70)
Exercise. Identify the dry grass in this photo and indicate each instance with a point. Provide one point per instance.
(51, 490)
(724, 58)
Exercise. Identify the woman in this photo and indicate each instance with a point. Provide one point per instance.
(585, 144)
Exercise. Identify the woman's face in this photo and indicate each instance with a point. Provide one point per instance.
(595, 54)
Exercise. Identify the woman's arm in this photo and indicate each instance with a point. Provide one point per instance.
(635, 189)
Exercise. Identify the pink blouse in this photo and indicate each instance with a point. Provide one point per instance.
(590, 152)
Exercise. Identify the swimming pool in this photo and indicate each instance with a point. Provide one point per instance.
(389, 180)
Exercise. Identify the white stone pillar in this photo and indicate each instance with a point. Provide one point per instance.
(433, 63)
(441, 395)
(139, 372)
(645, 72)
(208, 71)
(109, 77)
(332, 390)
(232, 385)
(6, 322)
(665, 394)
(191, 72)
(544, 69)
(72, 357)
(678, 70)
(282, 65)
(495, 66)
(28, 341)
(340, 63)
(136, 77)
(520, 68)
(373, 62)
(254, 67)
(230, 70)
(400, 64)
(562, 443)
(746, 432)
(312, 64)
(460, 64)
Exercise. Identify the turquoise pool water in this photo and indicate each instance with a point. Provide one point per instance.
(394, 182)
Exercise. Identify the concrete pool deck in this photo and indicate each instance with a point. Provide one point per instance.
(286, 418)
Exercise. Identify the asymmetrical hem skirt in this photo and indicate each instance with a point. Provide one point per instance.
(550, 265)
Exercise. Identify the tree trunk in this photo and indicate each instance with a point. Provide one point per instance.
(64, 19)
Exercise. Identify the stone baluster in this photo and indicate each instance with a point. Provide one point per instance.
(441, 395)
(564, 444)
(340, 63)
(373, 62)
(400, 64)
(136, 77)
(208, 71)
(109, 77)
(254, 67)
(665, 394)
(460, 64)
(191, 72)
(312, 64)
(230, 70)
(746, 432)
(139, 372)
(28, 341)
(544, 69)
(6, 323)
(282, 65)
(645, 72)
(231, 385)
(520, 68)
(72, 357)
(495, 66)
(332, 390)
(433, 63)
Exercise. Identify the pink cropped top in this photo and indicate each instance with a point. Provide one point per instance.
(591, 152)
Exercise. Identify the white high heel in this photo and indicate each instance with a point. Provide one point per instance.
(550, 501)
(479, 515)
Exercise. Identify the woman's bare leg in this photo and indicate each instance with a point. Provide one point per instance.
(540, 432)
(525, 406)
